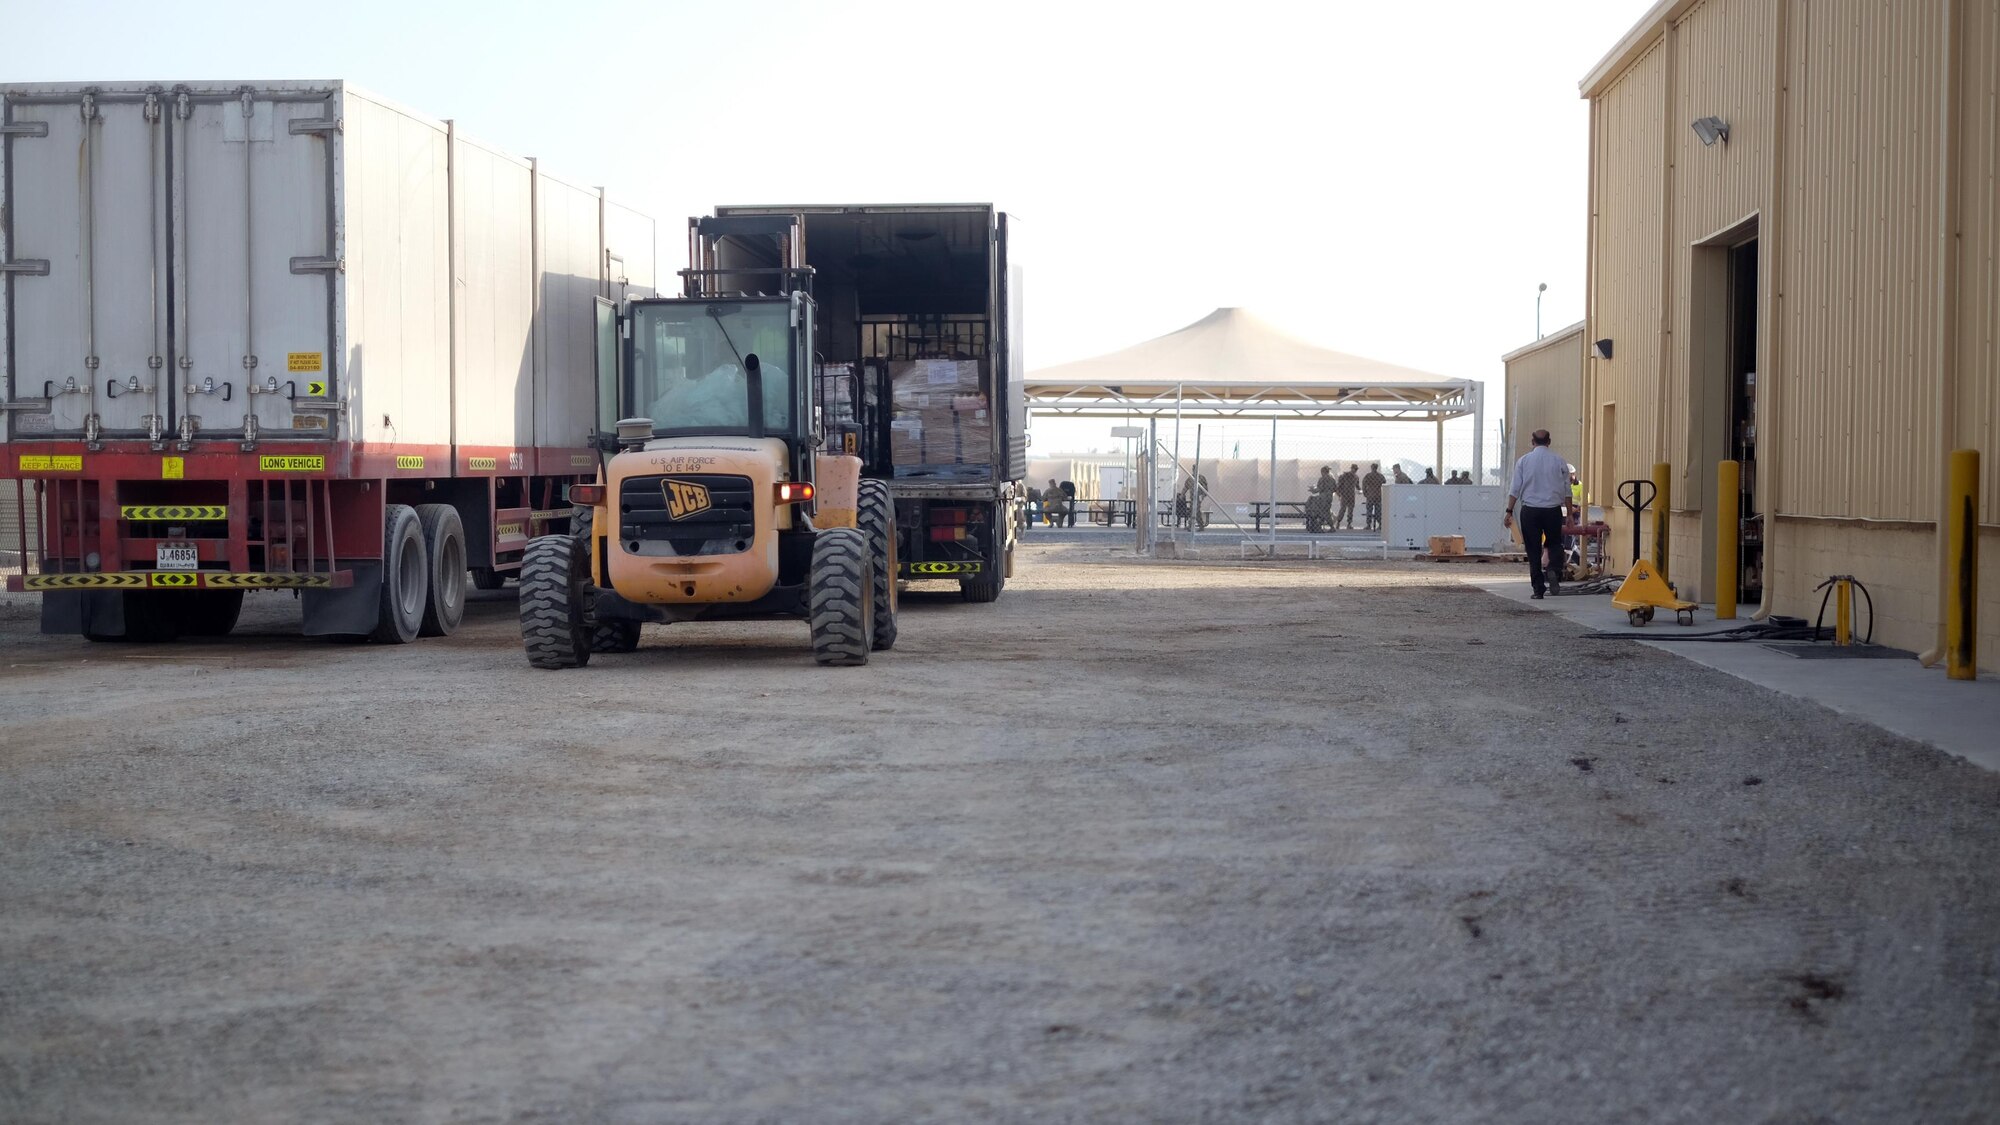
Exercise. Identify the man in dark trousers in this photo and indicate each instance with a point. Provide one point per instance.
(1371, 495)
(1069, 502)
(1540, 486)
(1345, 486)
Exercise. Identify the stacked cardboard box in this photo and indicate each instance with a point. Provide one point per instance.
(941, 421)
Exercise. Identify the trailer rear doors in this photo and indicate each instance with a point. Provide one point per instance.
(170, 263)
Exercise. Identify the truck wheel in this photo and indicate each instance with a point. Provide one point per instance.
(210, 613)
(444, 544)
(150, 618)
(877, 518)
(982, 587)
(555, 623)
(614, 636)
(405, 577)
(843, 596)
(486, 578)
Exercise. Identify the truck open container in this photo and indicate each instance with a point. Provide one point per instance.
(287, 336)
(911, 292)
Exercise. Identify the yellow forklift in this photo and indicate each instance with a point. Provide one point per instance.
(715, 498)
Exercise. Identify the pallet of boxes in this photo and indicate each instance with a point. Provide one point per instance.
(940, 426)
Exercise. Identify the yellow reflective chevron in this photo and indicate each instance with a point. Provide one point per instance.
(173, 512)
(214, 580)
(81, 581)
(944, 567)
(172, 578)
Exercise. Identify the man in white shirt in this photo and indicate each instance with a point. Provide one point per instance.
(1541, 487)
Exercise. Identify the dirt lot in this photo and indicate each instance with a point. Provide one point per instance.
(1140, 842)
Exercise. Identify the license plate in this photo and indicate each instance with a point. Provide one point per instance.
(175, 556)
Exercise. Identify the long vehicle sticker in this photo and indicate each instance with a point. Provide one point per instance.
(292, 464)
(407, 461)
(47, 463)
(476, 464)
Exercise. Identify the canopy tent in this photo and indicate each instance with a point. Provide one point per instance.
(1229, 364)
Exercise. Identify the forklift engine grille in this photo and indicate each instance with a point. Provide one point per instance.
(686, 514)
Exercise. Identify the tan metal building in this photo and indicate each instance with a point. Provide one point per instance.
(1795, 262)
(1544, 391)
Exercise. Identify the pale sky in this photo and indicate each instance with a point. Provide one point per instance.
(1386, 179)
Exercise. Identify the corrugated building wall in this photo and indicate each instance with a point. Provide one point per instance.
(1847, 120)
(1544, 391)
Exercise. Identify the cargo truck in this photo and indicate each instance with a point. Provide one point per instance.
(287, 336)
(918, 341)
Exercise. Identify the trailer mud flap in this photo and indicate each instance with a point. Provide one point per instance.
(64, 612)
(349, 612)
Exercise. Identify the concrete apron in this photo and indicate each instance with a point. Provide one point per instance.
(1900, 696)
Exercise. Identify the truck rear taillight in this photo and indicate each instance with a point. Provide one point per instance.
(947, 534)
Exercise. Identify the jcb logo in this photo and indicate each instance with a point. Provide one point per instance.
(685, 499)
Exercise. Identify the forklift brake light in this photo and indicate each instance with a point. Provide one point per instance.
(794, 491)
(586, 495)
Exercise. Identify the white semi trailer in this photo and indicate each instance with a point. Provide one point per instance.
(288, 335)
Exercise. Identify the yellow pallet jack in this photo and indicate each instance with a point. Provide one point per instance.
(1644, 590)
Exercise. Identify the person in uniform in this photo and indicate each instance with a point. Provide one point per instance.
(1371, 496)
(1346, 485)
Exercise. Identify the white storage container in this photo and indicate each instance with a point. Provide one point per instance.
(285, 262)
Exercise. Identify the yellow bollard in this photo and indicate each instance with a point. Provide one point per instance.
(1662, 495)
(1961, 591)
(1728, 495)
(1843, 611)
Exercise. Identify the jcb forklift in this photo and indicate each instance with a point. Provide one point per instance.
(715, 499)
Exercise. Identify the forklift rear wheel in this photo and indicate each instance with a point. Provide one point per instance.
(877, 517)
(843, 597)
(405, 577)
(614, 636)
(555, 625)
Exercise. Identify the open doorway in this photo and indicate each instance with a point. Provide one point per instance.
(1743, 418)
(1722, 391)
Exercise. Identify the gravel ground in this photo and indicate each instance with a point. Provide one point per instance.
(1142, 841)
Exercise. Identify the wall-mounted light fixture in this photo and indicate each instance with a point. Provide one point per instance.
(1601, 349)
(1711, 130)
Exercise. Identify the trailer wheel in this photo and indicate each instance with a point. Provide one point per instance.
(405, 577)
(614, 636)
(444, 544)
(149, 618)
(843, 597)
(877, 518)
(486, 578)
(555, 622)
(984, 586)
(210, 613)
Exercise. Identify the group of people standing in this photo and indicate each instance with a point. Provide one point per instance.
(1320, 513)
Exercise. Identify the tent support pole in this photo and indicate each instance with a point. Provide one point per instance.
(1274, 487)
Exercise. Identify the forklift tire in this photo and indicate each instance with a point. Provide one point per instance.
(982, 587)
(405, 577)
(555, 623)
(444, 542)
(486, 578)
(209, 613)
(877, 518)
(843, 597)
(614, 636)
